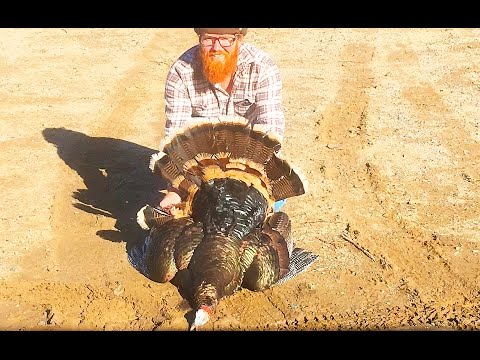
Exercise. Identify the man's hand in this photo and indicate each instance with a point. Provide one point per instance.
(171, 198)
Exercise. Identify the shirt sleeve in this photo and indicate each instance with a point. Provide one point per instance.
(269, 101)
(178, 107)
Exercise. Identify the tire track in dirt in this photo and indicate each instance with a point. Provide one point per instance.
(439, 142)
(449, 165)
(343, 129)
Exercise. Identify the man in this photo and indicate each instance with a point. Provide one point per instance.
(223, 75)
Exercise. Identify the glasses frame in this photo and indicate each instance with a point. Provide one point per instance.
(231, 41)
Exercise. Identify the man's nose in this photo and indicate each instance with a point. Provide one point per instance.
(216, 45)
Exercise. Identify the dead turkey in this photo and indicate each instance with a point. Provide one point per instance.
(224, 234)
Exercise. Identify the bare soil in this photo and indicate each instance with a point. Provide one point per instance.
(384, 123)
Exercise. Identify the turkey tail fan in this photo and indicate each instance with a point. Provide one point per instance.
(226, 134)
(286, 180)
(300, 261)
(226, 146)
(233, 135)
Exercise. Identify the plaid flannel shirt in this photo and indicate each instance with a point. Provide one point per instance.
(256, 92)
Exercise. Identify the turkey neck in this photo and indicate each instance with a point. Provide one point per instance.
(215, 269)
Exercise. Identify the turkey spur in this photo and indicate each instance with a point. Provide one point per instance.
(224, 234)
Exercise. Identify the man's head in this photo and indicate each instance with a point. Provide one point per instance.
(219, 51)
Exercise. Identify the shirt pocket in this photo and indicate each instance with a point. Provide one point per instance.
(244, 106)
(204, 108)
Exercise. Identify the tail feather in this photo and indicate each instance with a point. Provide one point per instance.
(276, 232)
(241, 141)
(161, 164)
(181, 147)
(203, 137)
(286, 180)
(281, 223)
(263, 147)
(300, 261)
(186, 185)
(149, 216)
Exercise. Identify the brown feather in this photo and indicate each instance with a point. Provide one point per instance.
(187, 243)
(161, 165)
(266, 253)
(263, 270)
(277, 242)
(281, 223)
(159, 258)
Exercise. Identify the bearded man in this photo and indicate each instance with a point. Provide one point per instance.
(223, 75)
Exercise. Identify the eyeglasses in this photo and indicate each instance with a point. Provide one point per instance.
(224, 41)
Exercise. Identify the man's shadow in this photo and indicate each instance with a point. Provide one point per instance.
(117, 178)
(118, 183)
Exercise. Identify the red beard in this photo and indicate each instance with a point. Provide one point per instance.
(216, 70)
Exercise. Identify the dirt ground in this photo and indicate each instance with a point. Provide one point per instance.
(384, 123)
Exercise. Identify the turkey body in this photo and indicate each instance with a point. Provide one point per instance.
(224, 234)
(229, 210)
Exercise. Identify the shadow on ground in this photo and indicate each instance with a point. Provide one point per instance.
(116, 175)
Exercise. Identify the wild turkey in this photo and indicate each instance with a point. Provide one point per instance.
(225, 233)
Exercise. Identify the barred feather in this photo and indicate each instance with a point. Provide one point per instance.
(148, 216)
(216, 146)
(300, 261)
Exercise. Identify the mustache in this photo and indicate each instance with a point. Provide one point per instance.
(219, 52)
